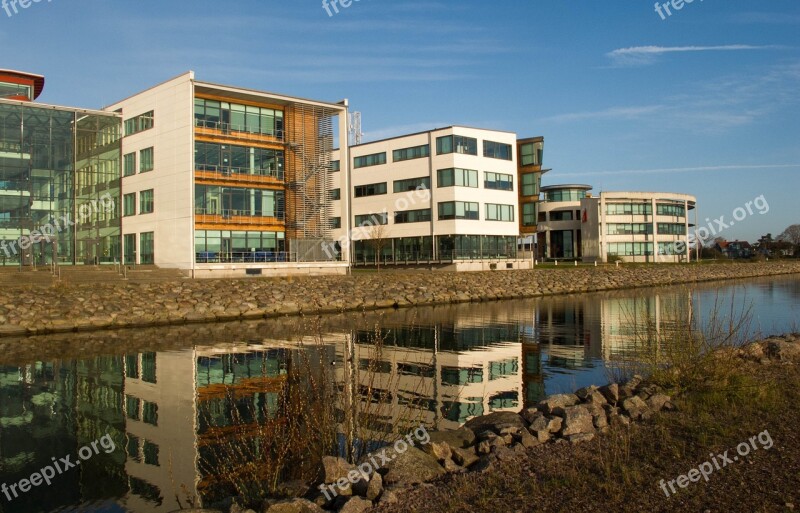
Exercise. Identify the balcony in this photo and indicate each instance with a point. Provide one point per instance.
(236, 132)
(239, 218)
(239, 174)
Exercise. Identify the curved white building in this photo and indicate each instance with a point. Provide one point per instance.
(637, 226)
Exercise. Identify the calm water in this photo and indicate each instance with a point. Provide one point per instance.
(168, 404)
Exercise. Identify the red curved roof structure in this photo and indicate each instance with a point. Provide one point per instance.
(19, 77)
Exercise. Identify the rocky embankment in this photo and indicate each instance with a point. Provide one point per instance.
(63, 308)
(483, 442)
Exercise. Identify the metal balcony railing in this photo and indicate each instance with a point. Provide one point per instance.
(238, 131)
(240, 216)
(240, 173)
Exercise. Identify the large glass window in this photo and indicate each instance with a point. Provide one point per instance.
(129, 164)
(530, 184)
(139, 123)
(629, 209)
(238, 201)
(232, 159)
(457, 177)
(671, 229)
(565, 195)
(498, 181)
(417, 152)
(496, 150)
(529, 213)
(456, 144)
(233, 117)
(129, 204)
(530, 154)
(669, 209)
(372, 219)
(412, 184)
(561, 215)
(630, 249)
(629, 229)
(458, 210)
(412, 216)
(373, 189)
(495, 212)
(375, 159)
(146, 202)
(129, 257)
(147, 255)
(146, 160)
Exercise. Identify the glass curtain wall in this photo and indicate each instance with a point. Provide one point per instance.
(59, 180)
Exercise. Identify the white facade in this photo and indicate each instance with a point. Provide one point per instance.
(262, 208)
(467, 217)
(637, 227)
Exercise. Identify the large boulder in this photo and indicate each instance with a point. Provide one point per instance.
(356, 505)
(555, 404)
(456, 439)
(410, 467)
(496, 422)
(782, 350)
(336, 468)
(577, 420)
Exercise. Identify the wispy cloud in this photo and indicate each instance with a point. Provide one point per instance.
(698, 169)
(645, 55)
(626, 113)
(766, 18)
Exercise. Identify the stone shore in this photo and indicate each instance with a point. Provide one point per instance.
(28, 310)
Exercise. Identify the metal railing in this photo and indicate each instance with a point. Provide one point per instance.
(260, 256)
(239, 131)
(233, 214)
(240, 172)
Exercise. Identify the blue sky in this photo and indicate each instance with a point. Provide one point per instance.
(705, 102)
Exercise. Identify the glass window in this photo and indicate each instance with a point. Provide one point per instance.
(147, 255)
(150, 413)
(671, 229)
(139, 123)
(529, 213)
(146, 202)
(129, 204)
(496, 150)
(336, 222)
(146, 160)
(668, 209)
(458, 210)
(412, 216)
(457, 177)
(456, 144)
(530, 184)
(129, 164)
(629, 209)
(417, 152)
(149, 367)
(498, 181)
(375, 159)
(496, 212)
(336, 194)
(412, 184)
(373, 189)
(335, 165)
(372, 219)
(530, 154)
(565, 195)
(561, 215)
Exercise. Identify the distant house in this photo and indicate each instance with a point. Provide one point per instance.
(735, 249)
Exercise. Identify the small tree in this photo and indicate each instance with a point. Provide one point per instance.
(378, 240)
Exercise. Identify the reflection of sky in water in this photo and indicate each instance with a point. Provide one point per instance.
(451, 362)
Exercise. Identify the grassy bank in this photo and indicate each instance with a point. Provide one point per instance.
(621, 470)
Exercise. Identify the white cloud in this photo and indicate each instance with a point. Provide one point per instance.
(671, 170)
(644, 55)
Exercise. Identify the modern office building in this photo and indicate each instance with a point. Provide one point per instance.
(448, 196)
(637, 226)
(227, 181)
(59, 179)
(530, 153)
(559, 226)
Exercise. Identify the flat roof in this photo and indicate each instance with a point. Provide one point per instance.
(433, 130)
(61, 107)
(579, 186)
(275, 97)
(38, 80)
